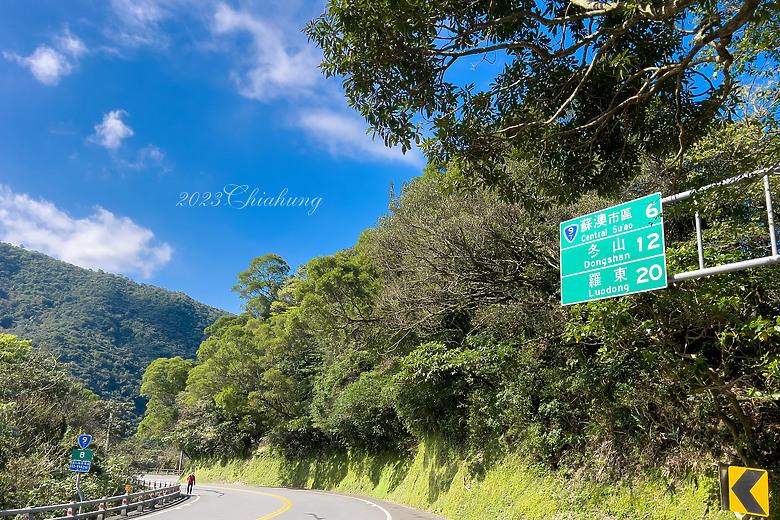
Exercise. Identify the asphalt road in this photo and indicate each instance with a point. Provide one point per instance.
(236, 502)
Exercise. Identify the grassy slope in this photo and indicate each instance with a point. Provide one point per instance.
(436, 479)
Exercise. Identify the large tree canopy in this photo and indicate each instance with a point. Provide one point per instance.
(581, 88)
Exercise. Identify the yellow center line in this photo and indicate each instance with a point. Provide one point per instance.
(287, 503)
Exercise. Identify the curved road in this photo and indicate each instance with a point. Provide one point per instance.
(236, 502)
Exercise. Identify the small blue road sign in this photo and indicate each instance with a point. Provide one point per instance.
(570, 232)
(84, 441)
(82, 466)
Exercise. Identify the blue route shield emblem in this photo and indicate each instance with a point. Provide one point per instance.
(84, 441)
(570, 232)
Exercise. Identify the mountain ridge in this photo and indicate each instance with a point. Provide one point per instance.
(108, 327)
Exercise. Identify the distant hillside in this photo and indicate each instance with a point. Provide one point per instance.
(108, 326)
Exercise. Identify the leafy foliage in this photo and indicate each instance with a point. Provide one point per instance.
(260, 284)
(42, 412)
(581, 90)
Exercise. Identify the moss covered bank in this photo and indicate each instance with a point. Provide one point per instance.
(437, 479)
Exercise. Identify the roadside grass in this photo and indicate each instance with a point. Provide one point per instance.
(436, 478)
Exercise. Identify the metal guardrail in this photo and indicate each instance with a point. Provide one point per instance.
(148, 499)
(164, 471)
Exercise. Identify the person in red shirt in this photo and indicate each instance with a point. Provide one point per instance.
(190, 482)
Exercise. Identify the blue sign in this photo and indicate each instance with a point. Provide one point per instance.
(84, 441)
(82, 466)
(570, 232)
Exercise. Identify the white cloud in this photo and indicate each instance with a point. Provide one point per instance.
(112, 130)
(49, 65)
(149, 157)
(70, 44)
(99, 241)
(46, 64)
(139, 12)
(346, 136)
(275, 68)
(138, 23)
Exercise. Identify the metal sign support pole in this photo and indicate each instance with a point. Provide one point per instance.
(81, 493)
(770, 215)
(699, 239)
(772, 259)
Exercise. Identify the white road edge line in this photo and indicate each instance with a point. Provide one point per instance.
(166, 510)
(385, 511)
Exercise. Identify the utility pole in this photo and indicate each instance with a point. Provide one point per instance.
(108, 430)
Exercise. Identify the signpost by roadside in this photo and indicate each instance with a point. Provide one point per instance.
(613, 252)
(81, 461)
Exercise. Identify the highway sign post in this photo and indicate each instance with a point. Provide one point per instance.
(613, 252)
(81, 461)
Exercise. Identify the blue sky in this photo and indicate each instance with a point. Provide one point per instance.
(122, 121)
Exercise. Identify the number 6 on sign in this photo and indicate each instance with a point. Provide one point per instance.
(600, 250)
(652, 210)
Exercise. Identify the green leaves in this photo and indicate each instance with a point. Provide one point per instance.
(260, 284)
(42, 412)
(584, 90)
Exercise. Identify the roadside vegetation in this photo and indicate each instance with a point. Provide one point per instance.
(434, 477)
(42, 413)
(432, 362)
(444, 322)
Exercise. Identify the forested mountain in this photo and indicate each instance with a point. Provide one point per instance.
(108, 327)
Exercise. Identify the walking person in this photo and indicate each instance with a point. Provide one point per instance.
(190, 482)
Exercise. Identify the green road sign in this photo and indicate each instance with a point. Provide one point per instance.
(82, 455)
(613, 252)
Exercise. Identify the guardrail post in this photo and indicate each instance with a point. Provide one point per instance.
(70, 509)
(124, 504)
(141, 503)
(102, 510)
(153, 494)
(30, 515)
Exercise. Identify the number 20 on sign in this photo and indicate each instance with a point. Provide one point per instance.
(613, 252)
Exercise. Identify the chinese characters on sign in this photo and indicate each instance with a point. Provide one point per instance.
(613, 252)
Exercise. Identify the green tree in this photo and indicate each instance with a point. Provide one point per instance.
(452, 264)
(259, 285)
(163, 381)
(42, 411)
(582, 90)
